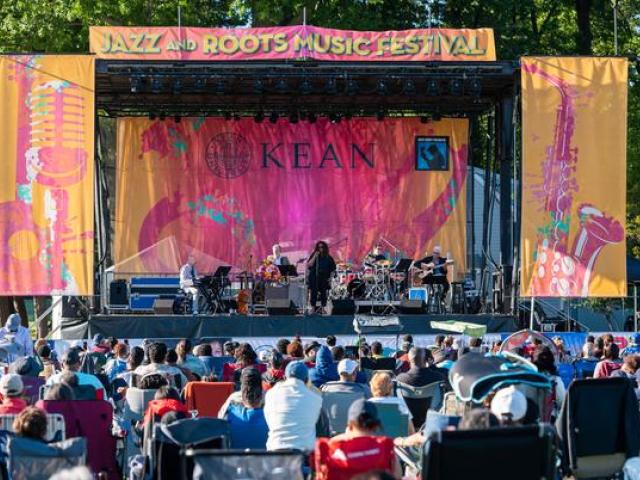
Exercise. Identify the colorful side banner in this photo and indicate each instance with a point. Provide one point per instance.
(229, 190)
(46, 174)
(574, 176)
(287, 43)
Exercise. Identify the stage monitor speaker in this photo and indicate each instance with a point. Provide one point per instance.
(342, 307)
(412, 307)
(280, 306)
(276, 293)
(118, 293)
(163, 306)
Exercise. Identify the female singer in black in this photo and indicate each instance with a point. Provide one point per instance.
(319, 269)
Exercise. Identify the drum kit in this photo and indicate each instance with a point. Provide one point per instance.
(377, 281)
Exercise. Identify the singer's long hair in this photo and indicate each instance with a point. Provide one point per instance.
(319, 244)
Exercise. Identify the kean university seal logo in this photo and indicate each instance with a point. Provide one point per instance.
(228, 155)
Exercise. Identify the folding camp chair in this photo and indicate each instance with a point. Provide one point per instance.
(34, 460)
(207, 397)
(168, 441)
(55, 425)
(136, 401)
(223, 465)
(393, 422)
(421, 399)
(598, 426)
(32, 388)
(337, 404)
(525, 453)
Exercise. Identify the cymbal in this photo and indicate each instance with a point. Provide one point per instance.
(384, 263)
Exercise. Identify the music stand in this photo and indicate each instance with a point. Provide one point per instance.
(288, 270)
(403, 265)
(222, 271)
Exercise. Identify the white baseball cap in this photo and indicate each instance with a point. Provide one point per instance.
(347, 366)
(510, 404)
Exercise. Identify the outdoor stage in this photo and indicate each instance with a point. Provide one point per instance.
(179, 326)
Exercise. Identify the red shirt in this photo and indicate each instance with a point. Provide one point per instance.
(12, 405)
(160, 407)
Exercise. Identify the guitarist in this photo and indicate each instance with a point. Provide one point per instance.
(434, 267)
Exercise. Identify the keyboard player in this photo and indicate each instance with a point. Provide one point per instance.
(188, 277)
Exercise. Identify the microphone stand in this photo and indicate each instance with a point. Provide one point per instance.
(395, 249)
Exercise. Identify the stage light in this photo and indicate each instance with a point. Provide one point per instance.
(156, 85)
(380, 115)
(425, 119)
(352, 87)
(293, 118)
(259, 117)
(273, 118)
(281, 86)
(176, 87)
(382, 88)
(410, 87)
(200, 84)
(456, 87)
(258, 86)
(334, 117)
(433, 88)
(137, 84)
(311, 117)
(475, 87)
(177, 119)
(306, 87)
(221, 87)
(331, 87)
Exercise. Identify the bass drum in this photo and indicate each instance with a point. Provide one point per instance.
(357, 289)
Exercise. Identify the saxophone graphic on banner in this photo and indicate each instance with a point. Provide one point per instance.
(574, 202)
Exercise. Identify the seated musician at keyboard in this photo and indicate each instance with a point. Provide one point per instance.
(188, 277)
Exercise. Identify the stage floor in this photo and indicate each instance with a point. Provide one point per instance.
(225, 326)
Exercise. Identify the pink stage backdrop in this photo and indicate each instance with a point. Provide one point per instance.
(229, 190)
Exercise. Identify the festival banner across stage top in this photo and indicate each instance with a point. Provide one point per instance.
(289, 43)
(46, 174)
(229, 190)
(574, 176)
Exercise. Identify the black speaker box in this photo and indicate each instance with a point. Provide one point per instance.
(118, 293)
(414, 307)
(342, 307)
(280, 306)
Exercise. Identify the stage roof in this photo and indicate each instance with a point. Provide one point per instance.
(188, 88)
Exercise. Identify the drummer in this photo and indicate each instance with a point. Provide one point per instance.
(374, 256)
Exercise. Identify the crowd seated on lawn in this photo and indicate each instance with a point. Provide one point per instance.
(278, 399)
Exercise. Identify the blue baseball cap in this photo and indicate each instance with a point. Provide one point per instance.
(297, 370)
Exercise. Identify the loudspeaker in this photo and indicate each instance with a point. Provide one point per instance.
(163, 306)
(280, 306)
(412, 307)
(118, 293)
(342, 307)
(276, 293)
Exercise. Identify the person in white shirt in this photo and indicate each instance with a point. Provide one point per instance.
(188, 276)
(157, 354)
(14, 332)
(71, 364)
(291, 410)
(277, 258)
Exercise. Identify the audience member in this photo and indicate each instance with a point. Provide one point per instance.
(118, 363)
(478, 419)
(419, 373)
(171, 359)
(331, 341)
(49, 365)
(100, 345)
(291, 410)
(71, 365)
(152, 381)
(246, 419)
(21, 336)
(31, 423)
(189, 361)
(382, 392)
(509, 405)
(166, 399)
(11, 389)
(337, 353)
(26, 367)
(610, 361)
(629, 370)
(588, 348)
(275, 372)
(157, 353)
(633, 348)
(295, 351)
(59, 392)
(310, 351)
(347, 370)
(281, 346)
(325, 369)
(543, 359)
(230, 348)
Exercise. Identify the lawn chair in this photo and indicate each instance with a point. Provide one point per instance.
(525, 453)
(598, 425)
(136, 401)
(207, 397)
(421, 399)
(55, 426)
(393, 422)
(34, 460)
(336, 405)
(223, 465)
